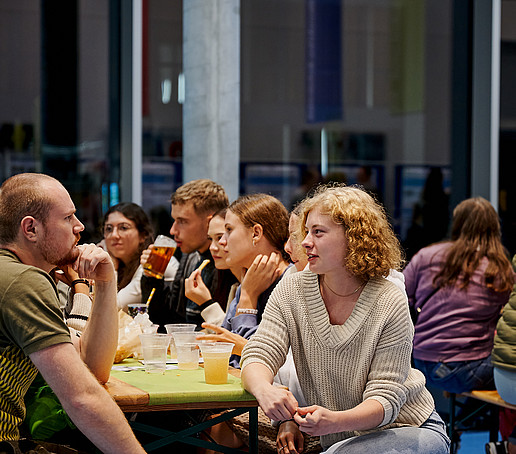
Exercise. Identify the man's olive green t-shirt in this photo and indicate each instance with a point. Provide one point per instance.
(30, 321)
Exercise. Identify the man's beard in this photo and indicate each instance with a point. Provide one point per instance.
(68, 259)
(51, 256)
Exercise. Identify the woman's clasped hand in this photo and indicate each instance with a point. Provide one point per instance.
(289, 439)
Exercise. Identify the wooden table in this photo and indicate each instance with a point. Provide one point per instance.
(492, 401)
(136, 391)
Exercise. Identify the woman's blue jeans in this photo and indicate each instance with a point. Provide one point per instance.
(458, 376)
(429, 438)
(505, 381)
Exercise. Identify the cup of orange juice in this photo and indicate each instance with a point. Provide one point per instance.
(216, 361)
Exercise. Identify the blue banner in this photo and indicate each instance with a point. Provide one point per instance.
(323, 60)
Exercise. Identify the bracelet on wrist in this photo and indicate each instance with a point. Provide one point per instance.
(287, 420)
(247, 311)
(80, 281)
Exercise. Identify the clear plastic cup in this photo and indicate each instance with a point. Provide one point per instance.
(216, 361)
(187, 349)
(150, 329)
(154, 348)
(178, 328)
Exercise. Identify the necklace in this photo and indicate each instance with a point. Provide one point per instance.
(347, 294)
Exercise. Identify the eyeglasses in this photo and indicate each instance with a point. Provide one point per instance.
(123, 229)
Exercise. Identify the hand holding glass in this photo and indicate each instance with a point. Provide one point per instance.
(161, 253)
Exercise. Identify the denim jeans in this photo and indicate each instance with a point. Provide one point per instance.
(429, 438)
(458, 376)
(505, 381)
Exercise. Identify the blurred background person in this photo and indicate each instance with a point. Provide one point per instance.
(463, 284)
(430, 216)
(310, 178)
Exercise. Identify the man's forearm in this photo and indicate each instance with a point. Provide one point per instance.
(99, 418)
(86, 402)
(100, 339)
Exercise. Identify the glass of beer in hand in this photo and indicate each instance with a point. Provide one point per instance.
(162, 251)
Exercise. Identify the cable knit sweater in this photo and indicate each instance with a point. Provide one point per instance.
(340, 366)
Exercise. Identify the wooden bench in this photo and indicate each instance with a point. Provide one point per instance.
(492, 401)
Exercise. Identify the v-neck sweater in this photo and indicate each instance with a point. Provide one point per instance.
(340, 366)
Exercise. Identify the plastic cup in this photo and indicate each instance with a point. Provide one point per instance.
(154, 348)
(178, 328)
(150, 329)
(161, 253)
(187, 349)
(216, 361)
(137, 308)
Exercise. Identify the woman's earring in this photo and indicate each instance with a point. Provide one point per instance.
(254, 242)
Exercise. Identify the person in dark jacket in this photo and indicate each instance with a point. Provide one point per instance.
(193, 206)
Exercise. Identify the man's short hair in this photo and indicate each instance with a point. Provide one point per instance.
(22, 195)
(206, 196)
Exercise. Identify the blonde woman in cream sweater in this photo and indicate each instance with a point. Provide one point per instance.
(351, 337)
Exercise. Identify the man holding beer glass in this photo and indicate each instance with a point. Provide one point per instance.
(193, 205)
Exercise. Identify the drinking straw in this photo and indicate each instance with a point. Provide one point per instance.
(150, 296)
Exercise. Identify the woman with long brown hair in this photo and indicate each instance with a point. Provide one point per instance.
(256, 230)
(460, 286)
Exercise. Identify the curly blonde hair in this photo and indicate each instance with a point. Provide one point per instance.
(373, 249)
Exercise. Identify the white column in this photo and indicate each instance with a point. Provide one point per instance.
(131, 104)
(486, 100)
(211, 109)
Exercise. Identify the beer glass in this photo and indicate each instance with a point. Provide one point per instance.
(161, 253)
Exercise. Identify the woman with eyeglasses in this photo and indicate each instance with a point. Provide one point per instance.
(127, 233)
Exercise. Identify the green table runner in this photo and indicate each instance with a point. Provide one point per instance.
(182, 386)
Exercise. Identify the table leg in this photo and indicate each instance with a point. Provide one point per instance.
(185, 436)
(253, 430)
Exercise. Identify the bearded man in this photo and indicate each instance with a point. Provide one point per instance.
(39, 232)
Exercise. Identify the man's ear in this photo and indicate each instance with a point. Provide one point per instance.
(30, 228)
